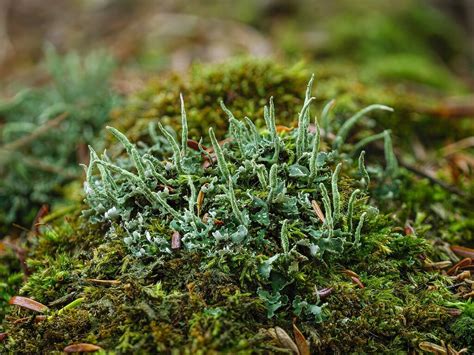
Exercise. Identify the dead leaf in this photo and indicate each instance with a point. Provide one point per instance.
(433, 348)
(462, 276)
(3, 336)
(463, 262)
(318, 211)
(409, 230)
(28, 303)
(324, 292)
(285, 340)
(301, 342)
(281, 128)
(350, 273)
(82, 347)
(357, 281)
(468, 295)
(200, 200)
(175, 240)
(43, 211)
(439, 265)
(463, 252)
(194, 145)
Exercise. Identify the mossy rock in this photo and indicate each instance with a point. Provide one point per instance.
(151, 304)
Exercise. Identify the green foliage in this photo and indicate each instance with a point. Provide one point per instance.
(411, 41)
(39, 152)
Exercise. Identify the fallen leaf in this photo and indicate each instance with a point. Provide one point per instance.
(195, 145)
(462, 276)
(463, 252)
(439, 265)
(468, 295)
(301, 342)
(28, 303)
(350, 273)
(175, 240)
(409, 230)
(318, 211)
(281, 128)
(285, 340)
(325, 292)
(43, 211)
(82, 347)
(200, 200)
(433, 348)
(357, 281)
(460, 264)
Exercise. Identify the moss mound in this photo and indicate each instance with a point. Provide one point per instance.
(264, 242)
(244, 84)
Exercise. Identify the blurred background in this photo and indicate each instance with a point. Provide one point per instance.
(168, 34)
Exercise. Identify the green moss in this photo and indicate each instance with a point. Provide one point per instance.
(243, 84)
(11, 277)
(171, 302)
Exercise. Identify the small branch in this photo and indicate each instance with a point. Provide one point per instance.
(50, 168)
(20, 142)
(451, 188)
(432, 179)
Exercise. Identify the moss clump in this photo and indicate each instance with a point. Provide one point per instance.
(227, 248)
(417, 119)
(11, 277)
(243, 84)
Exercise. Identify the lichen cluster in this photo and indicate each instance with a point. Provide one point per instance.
(447, 215)
(235, 245)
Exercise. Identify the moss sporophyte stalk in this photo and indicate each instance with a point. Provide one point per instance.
(231, 245)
